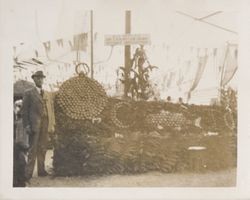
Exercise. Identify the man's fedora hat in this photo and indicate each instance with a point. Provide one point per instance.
(38, 74)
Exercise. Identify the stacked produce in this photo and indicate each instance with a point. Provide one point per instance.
(81, 97)
(133, 136)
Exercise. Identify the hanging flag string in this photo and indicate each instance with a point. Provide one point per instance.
(199, 73)
(47, 46)
(60, 42)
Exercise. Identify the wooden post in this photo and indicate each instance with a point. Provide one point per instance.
(91, 43)
(127, 52)
(222, 72)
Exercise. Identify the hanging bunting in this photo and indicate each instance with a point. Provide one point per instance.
(180, 79)
(60, 42)
(215, 52)
(36, 53)
(66, 67)
(95, 36)
(198, 52)
(188, 66)
(230, 68)
(47, 46)
(206, 51)
(220, 68)
(71, 45)
(199, 73)
(236, 53)
(14, 50)
(37, 61)
(165, 78)
(29, 62)
(170, 79)
(80, 42)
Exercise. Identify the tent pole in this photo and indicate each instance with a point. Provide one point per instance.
(127, 52)
(91, 45)
(222, 71)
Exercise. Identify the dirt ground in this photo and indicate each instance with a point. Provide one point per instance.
(225, 178)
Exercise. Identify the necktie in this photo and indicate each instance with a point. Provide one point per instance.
(41, 92)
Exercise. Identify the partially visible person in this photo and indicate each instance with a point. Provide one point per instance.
(20, 148)
(20, 134)
(38, 117)
(20, 163)
(181, 103)
(169, 99)
(180, 100)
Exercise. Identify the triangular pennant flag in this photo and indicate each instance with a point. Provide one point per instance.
(215, 52)
(198, 52)
(220, 68)
(60, 42)
(80, 42)
(180, 79)
(37, 61)
(206, 51)
(171, 77)
(14, 50)
(188, 66)
(95, 36)
(230, 67)
(199, 73)
(47, 46)
(236, 53)
(36, 53)
(71, 45)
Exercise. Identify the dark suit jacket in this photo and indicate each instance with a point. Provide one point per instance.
(32, 109)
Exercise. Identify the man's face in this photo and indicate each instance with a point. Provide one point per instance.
(38, 81)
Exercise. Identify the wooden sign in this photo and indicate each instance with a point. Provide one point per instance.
(127, 39)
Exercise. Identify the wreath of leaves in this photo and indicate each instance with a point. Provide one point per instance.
(114, 118)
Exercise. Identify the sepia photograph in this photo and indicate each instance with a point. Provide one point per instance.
(110, 95)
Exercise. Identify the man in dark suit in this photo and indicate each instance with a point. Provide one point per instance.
(35, 122)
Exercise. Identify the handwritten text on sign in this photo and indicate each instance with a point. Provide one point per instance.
(127, 39)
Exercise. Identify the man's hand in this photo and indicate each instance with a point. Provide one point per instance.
(52, 130)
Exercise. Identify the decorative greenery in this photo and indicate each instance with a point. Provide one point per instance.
(87, 148)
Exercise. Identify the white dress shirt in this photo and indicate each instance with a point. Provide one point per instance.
(39, 90)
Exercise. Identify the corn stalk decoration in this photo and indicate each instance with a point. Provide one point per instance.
(138, 81)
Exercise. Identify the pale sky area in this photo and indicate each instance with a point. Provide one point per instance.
(175, 39)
